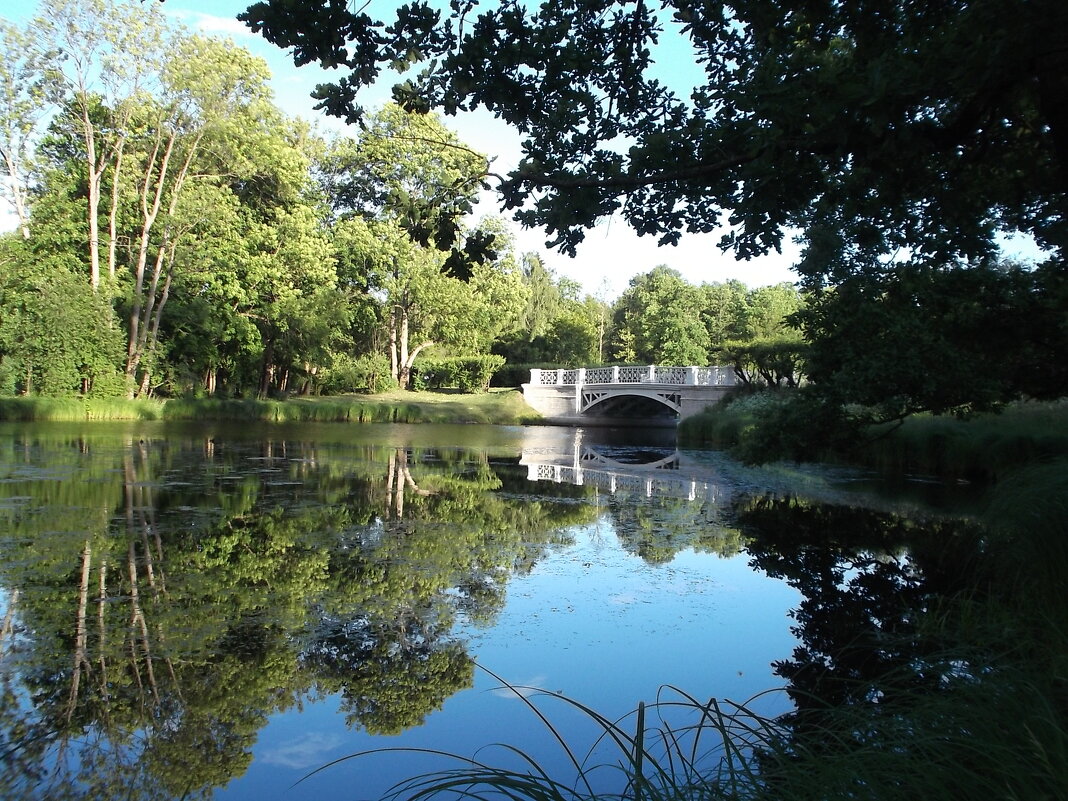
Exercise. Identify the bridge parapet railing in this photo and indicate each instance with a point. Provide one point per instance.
(652, 374)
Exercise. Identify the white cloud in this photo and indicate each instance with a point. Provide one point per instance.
(311, 749)
(524, 689)
(211, 24)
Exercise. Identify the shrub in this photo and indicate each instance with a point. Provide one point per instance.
(367, 373)
(466, 373)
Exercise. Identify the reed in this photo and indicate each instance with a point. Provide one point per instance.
(695, 750)
(69, 410)
(990, 731)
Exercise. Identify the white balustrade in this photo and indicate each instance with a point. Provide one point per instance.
(652, 374)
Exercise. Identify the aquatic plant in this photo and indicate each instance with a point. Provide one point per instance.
(674, 748)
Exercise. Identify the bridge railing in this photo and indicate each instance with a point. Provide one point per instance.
(652, 374)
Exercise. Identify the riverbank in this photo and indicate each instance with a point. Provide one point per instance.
(496, 407)
(982, 448)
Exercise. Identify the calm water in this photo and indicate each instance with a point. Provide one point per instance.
(217, 611)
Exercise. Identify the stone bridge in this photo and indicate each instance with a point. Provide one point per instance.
(646, 396)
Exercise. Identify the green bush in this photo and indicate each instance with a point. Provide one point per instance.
(514, 375)
(466, 373)
(367, 373)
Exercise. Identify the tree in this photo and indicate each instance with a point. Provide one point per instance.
(102, 56)
(57, 337)
(658, 320)
(724, 311)
(399, 193)
(207, 88)
(24, 91)
(869, 126)
(410, 169)
(879, 131)
(1000, 329)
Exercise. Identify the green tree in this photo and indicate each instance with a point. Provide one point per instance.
(1000, 330)
(400, 193)
(24, 93)
(842, 119)
(102, 57)
(873, 129)
(57, 337)
(658, 320)
(724, 311)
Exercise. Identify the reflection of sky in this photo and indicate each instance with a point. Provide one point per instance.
(590, 621)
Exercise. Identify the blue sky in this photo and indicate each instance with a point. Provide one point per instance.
(611, 255)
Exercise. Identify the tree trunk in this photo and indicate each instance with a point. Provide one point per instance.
(268, 370)
(113, 213)
(394, 362)
(409, 361)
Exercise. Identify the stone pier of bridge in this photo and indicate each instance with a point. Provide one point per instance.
(652, 395)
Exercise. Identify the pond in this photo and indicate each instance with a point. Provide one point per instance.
(218, 610)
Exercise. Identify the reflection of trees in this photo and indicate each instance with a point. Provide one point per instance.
(868, 579)
(657, 528)
(390, 675)
(166, 598)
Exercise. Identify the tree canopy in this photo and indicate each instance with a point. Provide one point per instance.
(870, 126)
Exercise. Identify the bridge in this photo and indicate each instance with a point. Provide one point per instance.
(652, 395)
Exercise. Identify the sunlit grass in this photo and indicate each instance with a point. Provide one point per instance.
(496, 407)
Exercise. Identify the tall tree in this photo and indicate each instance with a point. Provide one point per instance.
(658, 320)
(401, 192)
(102, 55)
(24, 99)
(208, 89)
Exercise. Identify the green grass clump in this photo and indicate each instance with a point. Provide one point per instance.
(983, 447)
(999, 735)
(693, 750)
(726, 424)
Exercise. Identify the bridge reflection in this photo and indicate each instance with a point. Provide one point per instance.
(577, 458)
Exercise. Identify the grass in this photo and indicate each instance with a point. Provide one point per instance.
(981, 448)
(693, 750)
(999, 735)
(501, 407)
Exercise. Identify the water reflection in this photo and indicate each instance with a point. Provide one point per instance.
(168, 592)
(164, 597)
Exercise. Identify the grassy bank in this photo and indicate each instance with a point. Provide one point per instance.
(981, 448)
(500, 407)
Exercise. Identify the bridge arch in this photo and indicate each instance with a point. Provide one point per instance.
(619, 402)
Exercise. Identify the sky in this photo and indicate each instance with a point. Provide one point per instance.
(606, 261)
